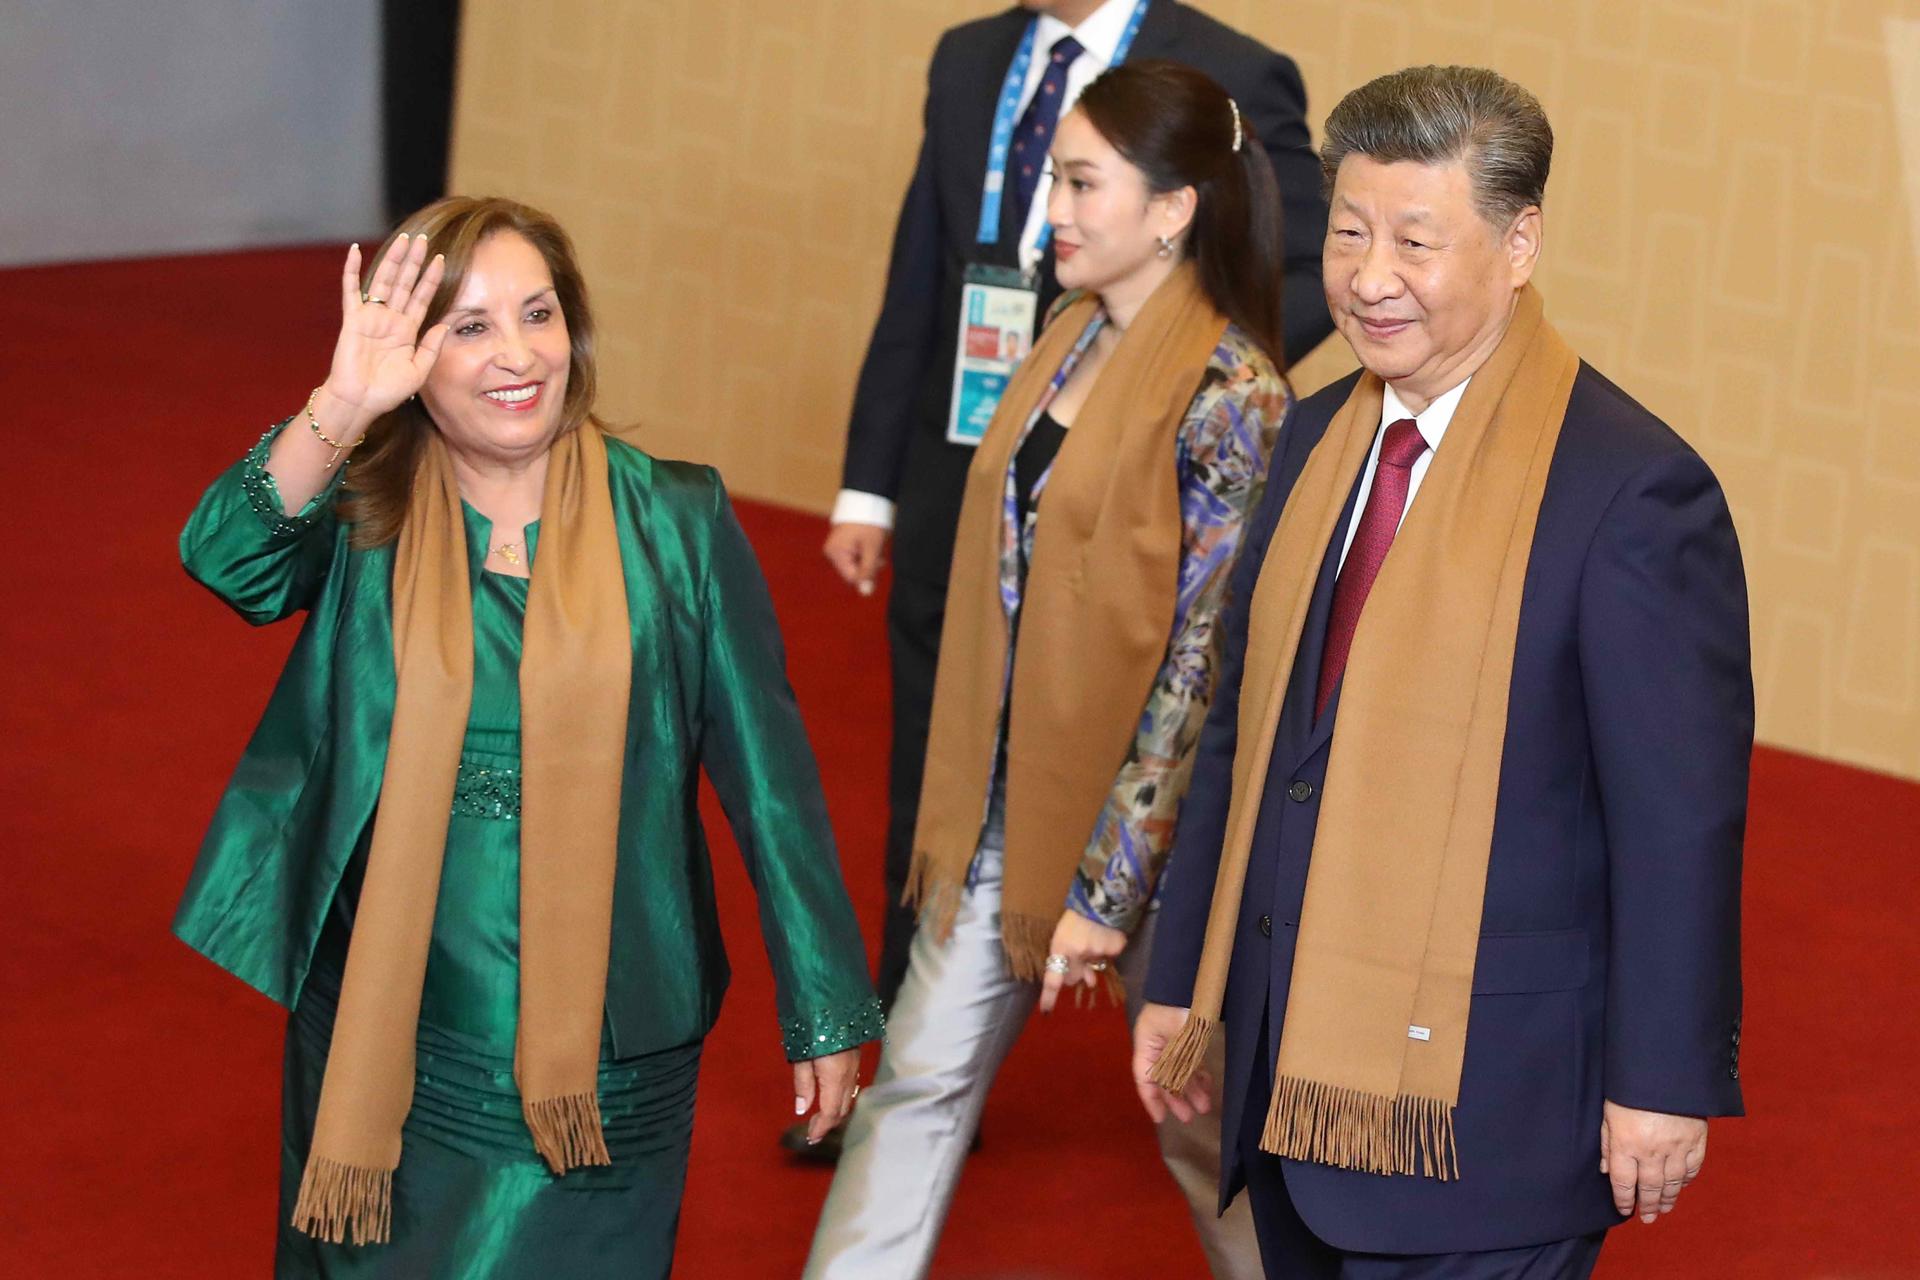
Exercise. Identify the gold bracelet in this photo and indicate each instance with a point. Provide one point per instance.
(313, 424)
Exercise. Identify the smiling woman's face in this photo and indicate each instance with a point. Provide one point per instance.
(1106, 223)
(497, 388)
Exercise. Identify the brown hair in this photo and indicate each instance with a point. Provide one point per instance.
(373, 498)
(1178, 127)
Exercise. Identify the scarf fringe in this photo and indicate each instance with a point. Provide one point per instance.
(1180, 1059)
(335, 1196)
(938, 899)
(1349, 1129)
(1027, 939)
(567, 1131)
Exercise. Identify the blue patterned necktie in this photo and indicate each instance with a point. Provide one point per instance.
(1034, 134)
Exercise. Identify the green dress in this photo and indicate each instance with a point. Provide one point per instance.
(472, 1199)
(272, 893)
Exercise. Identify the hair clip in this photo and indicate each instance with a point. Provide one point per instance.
(1239, 136)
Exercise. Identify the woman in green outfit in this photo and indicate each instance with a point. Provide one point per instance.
(463, 846)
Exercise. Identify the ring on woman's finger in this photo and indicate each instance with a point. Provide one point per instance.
(854, 1094)
(1098, 966)
(1058, 964)
(372, 301)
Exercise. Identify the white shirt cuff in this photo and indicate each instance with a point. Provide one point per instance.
(855, 507)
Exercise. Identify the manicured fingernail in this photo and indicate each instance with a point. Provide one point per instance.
(799, 1106)
(813, 1142)
(866, 588)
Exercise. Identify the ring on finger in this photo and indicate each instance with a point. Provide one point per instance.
(1098, 966)
(372, 301)
(1058, 964)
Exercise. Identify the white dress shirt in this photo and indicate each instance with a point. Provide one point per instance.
(1431, 424)
(1099, 38)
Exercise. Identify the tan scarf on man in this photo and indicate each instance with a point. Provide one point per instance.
(1376, 1026)
(1096, 613)
(576, 666)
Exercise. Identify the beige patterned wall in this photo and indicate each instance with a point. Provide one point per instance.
(1731, 236)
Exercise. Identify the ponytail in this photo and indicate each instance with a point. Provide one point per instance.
(1181, 129)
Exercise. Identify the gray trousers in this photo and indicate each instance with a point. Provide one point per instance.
(957, 1014)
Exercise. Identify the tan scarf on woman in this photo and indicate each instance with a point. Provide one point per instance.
(575, 669)
(1376, 1026)
(1097, 610)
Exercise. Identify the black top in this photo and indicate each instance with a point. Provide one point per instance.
(1035, 456)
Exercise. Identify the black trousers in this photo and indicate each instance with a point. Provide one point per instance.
(1290, 1251)
(915, 610)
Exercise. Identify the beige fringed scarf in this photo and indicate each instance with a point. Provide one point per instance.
(1376, 1026)
(1096, 612)
(575, 670)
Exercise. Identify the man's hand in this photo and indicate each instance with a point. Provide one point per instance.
(857, 552)
(1649, 1156)
(1153, 1031)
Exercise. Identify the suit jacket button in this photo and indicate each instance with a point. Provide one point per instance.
(1301, 791)
(1266, 926)
(1733, 1073)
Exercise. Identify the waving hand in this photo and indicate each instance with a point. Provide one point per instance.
(381, 358)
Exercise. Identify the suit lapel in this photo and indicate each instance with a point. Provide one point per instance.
(972, 125)
(633, 510)
(1301, 735)
(364, 648)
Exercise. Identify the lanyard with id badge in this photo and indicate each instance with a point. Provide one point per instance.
(999, 305)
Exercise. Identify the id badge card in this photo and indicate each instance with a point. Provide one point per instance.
(997, 313)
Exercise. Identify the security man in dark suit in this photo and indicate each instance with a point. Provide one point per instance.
(976, 204)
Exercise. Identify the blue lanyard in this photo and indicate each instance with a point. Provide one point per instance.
(1004, 119)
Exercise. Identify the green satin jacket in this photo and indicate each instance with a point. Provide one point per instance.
(709, 690)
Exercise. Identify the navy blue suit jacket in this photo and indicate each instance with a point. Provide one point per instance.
(896, 438)
(1609, 957)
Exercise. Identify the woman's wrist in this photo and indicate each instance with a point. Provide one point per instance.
(339, 420)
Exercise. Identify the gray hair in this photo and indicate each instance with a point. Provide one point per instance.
(1437, 115)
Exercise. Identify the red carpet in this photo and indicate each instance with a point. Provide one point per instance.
(139, 1096)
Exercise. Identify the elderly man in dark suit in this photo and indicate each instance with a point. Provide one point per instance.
(1459, 871)
(906, 458)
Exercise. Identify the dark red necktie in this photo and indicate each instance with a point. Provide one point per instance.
(1380, 520)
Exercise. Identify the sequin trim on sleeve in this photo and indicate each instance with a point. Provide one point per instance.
(830, 1031)
(263, 495)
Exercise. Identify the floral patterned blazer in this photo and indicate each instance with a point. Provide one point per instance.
(1221, 454)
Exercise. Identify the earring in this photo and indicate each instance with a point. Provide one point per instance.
(1166, 247)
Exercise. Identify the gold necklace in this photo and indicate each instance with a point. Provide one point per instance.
(508, 551)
